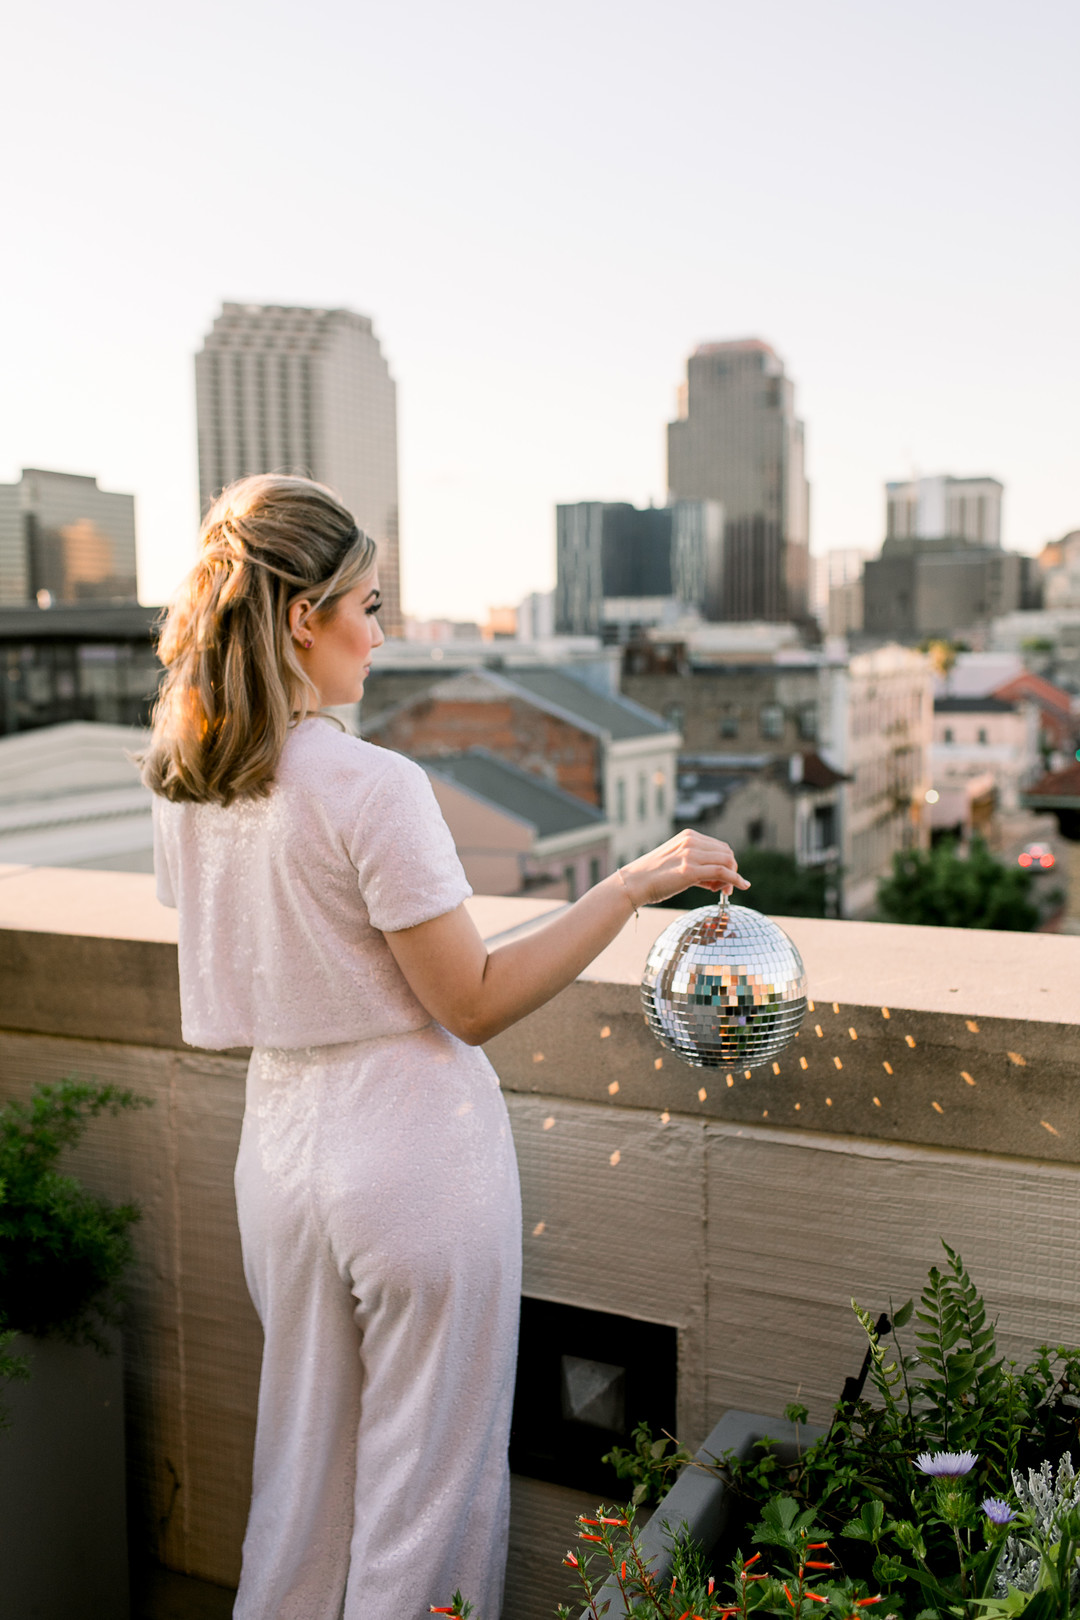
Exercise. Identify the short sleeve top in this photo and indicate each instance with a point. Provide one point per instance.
(284, 901)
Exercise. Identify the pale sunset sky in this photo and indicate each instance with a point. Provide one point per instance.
(544, 208)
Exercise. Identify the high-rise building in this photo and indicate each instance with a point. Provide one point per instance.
(618, 564)
(945, 508)
(64, 540)
(305, 391)
(942, 567)
(737, 441)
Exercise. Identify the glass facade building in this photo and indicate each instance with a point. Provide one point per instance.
(95, 662)
(64, 540)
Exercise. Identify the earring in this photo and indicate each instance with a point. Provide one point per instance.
(309, 642)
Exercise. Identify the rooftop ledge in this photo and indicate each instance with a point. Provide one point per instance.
(934, 1036)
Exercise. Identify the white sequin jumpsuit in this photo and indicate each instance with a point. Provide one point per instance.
(376, 1186)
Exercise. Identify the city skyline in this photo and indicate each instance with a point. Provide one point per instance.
(472, 183)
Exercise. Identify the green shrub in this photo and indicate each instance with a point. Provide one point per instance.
(63, 1250)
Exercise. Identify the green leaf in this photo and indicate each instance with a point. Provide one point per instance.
(902, 1317)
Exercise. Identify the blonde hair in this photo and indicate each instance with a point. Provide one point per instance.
(234, 684)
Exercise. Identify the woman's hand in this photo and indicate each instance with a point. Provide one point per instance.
(689, 860)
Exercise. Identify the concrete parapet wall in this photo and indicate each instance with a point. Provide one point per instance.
(740, 1218)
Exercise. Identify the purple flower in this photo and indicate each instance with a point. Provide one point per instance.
(996, 1511)
(948, 1466)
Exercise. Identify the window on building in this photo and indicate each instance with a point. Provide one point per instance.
(675, 715)
(729, 723)
(570, 879)
(620, 802)
(982, 736)
(642, 796)
(771, 720)
(948, 734)
(807, 722)
(755, 832)
(659, 782)
(594, 871)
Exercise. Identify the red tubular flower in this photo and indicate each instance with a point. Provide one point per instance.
(584, 1537)
(815, 1597)
(818, 1563)
(609, 1521)
(815, 1546)
(787, 1594)
(750, 1561)
(433, 1610)
(860, 1603)
(570, 1561)
(587, 1521)
(712, 1583)
(674, 1578)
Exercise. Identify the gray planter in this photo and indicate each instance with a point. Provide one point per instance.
(698, 1502)
(63, 1529)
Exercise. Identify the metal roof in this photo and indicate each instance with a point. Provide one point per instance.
(520, 793)
(617, 716)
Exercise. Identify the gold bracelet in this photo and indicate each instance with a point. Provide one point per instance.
(629, 896)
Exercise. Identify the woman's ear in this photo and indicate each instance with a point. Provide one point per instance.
(298, 616)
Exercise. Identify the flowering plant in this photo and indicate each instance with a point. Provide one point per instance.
(935, 1499)
(949, 1495)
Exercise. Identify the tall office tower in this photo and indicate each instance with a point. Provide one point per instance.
(737, 441)
(942, 567)
(304, 391)
(618, 564)
(64, 540)
(945, 508)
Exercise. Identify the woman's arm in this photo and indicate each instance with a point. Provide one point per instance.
(475, 993)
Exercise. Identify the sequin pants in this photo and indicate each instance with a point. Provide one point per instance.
(380, 1219)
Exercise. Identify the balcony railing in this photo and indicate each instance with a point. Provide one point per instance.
(932, 1093)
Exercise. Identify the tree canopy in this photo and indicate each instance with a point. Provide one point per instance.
(945, 889)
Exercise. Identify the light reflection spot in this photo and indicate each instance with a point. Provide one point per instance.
(937, 1108)
(613, 1088)
(910, 1039)
(538, 1228)
(887, 1067)
(605, 1032)
(838, 1063)
(703, 1095)
(549, 1122)
(1046, 1125)
(965, 1076)
(1021, 1062)
(615, 1157)
(972, 1026)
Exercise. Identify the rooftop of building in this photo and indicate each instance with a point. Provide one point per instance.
(737, 346)
(1041, 691)
(1056, 785)
(518, 792)
(617, 716)
(84, 621)
(973, 705)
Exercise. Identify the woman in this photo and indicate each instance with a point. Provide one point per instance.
(322, 923)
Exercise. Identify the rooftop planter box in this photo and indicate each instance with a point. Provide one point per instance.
(62, 1487)
(699, 1503)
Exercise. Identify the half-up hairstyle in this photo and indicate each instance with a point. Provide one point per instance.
(234, 684)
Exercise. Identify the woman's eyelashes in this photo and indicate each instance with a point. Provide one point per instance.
(374, 607)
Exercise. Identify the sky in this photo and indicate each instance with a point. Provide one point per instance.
(544, 209)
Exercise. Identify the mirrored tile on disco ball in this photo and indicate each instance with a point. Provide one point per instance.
(724, 986)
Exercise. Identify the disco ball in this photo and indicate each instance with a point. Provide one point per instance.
(724, 987)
